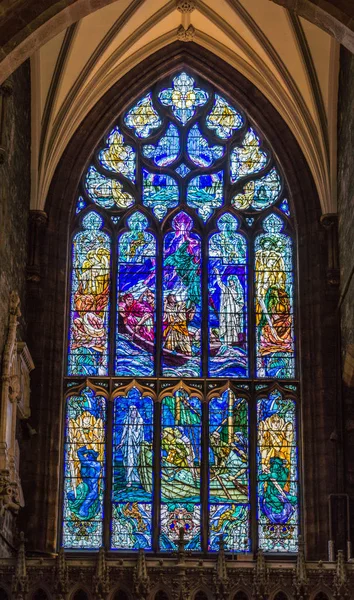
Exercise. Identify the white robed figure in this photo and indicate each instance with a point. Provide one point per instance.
(231, 306)
(130, 443)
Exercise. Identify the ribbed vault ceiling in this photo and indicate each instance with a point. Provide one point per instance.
(293, 62)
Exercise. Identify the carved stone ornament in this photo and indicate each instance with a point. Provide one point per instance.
(20, 581)
(185, 6)
(61, 576)
(16, 366)
(186, 35)
(340, 583)
(101, 578)
(300, 582)
(141, 578)
(221, 579)
(261, 577)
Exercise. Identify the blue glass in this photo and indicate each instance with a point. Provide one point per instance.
(182, 309)
(277, 474)
(227, 301)
(180, 470)
(143, 118)
(136, 285)
(89, 303)
(80, 205)
(183, 97)
(199, 150)
(106, 192)
(182, 170)
(205, 193)
(132, 484)
(167, 148)
(275, 347)
(229, 508)
(284, 206)
(160, 193)
(84, 470)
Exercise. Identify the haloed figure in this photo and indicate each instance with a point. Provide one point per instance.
(130, 444)
(231, 306)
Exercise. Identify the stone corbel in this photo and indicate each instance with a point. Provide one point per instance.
(330, 223)
(5, 93)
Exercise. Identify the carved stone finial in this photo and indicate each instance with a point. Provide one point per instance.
(181, 553)
(20, 578)
(260, 580)
(101, 578)
(141, 578)
(300, 578)
(340, 583)
(61, 576)
(186, 35)
(185, 6)
(221, 580)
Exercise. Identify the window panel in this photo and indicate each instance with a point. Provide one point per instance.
(274, 302)
(229, 510)
(205, 193)
(247, 159)
(277, 474)
(132, 471)
(118, 156)
(90, 289)
(227, 301)
(182, 300)
(223, 118)
(84, 472)
(167, 148)
(135, 345)
(180, 470)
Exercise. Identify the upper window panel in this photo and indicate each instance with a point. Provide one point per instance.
(182, 260)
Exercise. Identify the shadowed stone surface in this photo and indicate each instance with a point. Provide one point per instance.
(14, 210)
(346, 246)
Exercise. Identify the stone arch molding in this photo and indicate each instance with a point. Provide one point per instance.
(25, 28)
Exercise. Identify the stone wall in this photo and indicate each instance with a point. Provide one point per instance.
(15, 196)
(346, 251)
(14, 211)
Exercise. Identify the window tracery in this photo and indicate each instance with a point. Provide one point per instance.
(181, 388)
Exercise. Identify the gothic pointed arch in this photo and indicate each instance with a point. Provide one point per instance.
(241, 181)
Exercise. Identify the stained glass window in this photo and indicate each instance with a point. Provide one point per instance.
(84, 471)
(135, 349)
(274, 301)
(181, 336)
(227, 301)
(89, 304)
(132, 471)
(181, 349)
(180, 470)
(277, 474)
(229, 473)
